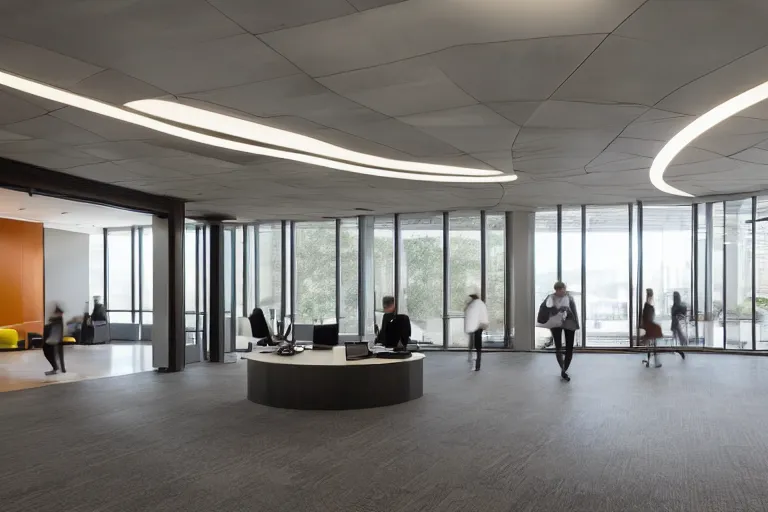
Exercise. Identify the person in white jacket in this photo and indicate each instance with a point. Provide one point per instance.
(475, 322)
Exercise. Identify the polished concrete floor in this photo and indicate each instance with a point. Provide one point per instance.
(26, 369)
(691, 436)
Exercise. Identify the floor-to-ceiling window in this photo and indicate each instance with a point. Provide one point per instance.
(250, 264)
(761, 273)
(667, 260)
(495, 276)
(607, 276)
(421, 276)
(715, 337)
(464, 262)
(545, 254)
(239, 268)
(96, 268)
(190, 284)
(737, 248)
(349, 254)
(571, 258)
(147, 293)
(119, 298)
(383, 266)
(315, 272)
(269, 270)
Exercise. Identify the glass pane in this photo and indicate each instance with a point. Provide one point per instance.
(146, 318)
(270, 270)
(120, 317)
(190, 264)
(315, 272)
(119, 271)
(239, 267)
(464, 271)
(146, 283)
(383, 260)
(738, 274)
(290, 292)
(495, 275)
(667, 262)
(702, 316)
(761, 272)
(607, 280)
(229, 292)
(348, 261)
(545, 276)
(96, 271)
(572, 258)
(716, 334)
(250, 261)
(421, 277)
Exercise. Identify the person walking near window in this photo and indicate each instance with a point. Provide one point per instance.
(558, 313)
(53, 346)
(679, 312)
(475, 322)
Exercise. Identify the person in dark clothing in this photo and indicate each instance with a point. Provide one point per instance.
(395, 328)
(561, 304)
(259, 326)
(53, 336)
(651, 328)
(679, 312)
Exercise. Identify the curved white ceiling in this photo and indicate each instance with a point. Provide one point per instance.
(415, 171)
(699, 126)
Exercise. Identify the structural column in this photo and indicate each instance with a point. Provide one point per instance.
(168, 328)
(523, 297)
(217, 338)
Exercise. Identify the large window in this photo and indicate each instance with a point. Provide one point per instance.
(667, 261)
(250, 262)
(383, 266)
(190, 284)
(239, 268)
(147, 293)
(495, 276)
(421, 276)
(737, 248)
(607, 279)
(315, 272)
(464, 261)
(545, 254)
(715, 333)
(96, 270)
(269, 270)
(761, 273)
(571, 258)
(349, 253)
(119, 299)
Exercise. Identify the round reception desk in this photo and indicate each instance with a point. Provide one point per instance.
(324, 380)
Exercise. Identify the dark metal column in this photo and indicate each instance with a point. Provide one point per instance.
(362, 271)
(216, 297)
(583, 275)
(559, 242)
(509, 317)
(284, 272)
(293, 287)
(631, 277)
(754, 274)
(338, 272)
(446, 278)
(176, 324)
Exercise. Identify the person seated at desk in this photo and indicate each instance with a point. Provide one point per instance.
(395, 328)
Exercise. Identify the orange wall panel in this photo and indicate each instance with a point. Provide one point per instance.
(21, 276)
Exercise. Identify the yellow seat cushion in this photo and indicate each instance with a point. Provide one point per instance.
(9, 338)
(68, 339)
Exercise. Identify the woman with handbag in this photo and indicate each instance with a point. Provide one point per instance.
(651, 328)
(53, 346)
(558, 312)
(679, 312)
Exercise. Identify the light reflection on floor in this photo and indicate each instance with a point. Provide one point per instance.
(26, 369)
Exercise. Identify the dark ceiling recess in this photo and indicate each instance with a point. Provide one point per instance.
(363, 210)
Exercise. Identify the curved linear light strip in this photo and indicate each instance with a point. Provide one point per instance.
(703, 123)
(98, 107)
(262, 134)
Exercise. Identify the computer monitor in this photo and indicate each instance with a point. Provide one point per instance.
(325, 336)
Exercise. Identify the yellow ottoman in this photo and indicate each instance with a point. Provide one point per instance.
(9, 339)
(68, 339)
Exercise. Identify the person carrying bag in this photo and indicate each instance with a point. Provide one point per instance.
(558, 313)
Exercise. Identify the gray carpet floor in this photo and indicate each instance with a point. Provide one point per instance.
(691, 436)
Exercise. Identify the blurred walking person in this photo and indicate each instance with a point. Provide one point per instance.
(475, 322)
(651, 328)
(53, 346)
(679, 313)
(558, 314)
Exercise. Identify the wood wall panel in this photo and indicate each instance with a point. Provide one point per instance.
(21, 276)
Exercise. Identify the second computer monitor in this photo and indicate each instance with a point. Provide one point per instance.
(325, 336)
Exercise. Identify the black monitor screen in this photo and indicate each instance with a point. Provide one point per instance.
(326, 335)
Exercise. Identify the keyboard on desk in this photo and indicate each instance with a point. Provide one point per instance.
(393, 355)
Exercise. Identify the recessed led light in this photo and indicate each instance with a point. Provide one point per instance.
(262, 134)
(700, 125)
(98, 107)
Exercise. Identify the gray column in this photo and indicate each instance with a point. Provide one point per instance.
(216, 296)
(523, 299)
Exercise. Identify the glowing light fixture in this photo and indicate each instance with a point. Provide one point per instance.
(98, 107)
(262, 134)
(703, 123)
